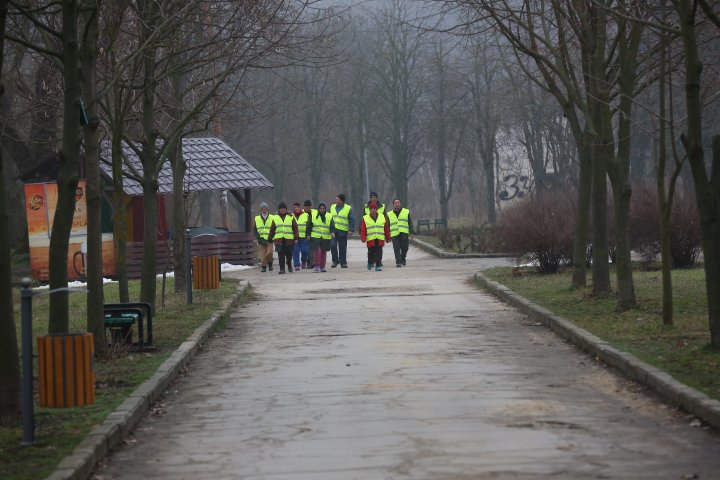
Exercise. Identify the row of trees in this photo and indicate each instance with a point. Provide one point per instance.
(443, 123)
(601, 60)
(138, 74)
(595, 95)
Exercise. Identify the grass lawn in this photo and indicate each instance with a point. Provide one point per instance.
(58, 431)
(682, 350)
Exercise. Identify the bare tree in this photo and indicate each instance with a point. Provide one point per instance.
(61, 44)
(398, 80)
(9, 355)
(94, 199)
(707, 183)
(449, 124)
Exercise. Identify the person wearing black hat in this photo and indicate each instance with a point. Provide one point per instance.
(302, 246)
(343, 226)
(401, 229)
(283, 233)
(374, 198)
(308, 208)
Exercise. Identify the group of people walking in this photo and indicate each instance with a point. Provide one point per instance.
(303, 236)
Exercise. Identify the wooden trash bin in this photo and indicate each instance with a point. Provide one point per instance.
(65, 374)
(206, 272)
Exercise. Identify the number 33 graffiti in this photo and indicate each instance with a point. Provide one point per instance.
(515, 186)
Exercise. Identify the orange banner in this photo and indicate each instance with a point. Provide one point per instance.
(40, 202)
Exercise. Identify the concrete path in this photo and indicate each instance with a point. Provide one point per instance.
(405, 373)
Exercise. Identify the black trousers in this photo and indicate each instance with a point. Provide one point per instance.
(285, 252)
(375, 255)
(400, 246)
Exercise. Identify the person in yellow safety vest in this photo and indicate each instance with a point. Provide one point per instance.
(343, 227)
(263, 222)
(300, 250)
(284, 232)
(374, 232)
(401, 227)
(307, 208)
(374, 198)
(320, 237)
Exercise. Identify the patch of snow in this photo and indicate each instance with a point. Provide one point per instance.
(75, 284)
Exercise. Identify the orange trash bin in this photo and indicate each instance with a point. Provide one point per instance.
(65, 374)
(206, 272)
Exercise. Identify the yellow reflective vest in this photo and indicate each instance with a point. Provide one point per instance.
(283, 228)
(263, 227)
(321, 229)
(341, 218)
(302, 221)
(399, 223)
(375, 229)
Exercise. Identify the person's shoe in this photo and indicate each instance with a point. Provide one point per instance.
(303, 266)
(270, 266)
(398, 264)
(316, 270)
(378, 268)
(264, 269)
(370, 265)
(281, 272)
(344, 265)
(334, 264)
(296, 267)
(404, 262)
(290, 269)
(323, 270)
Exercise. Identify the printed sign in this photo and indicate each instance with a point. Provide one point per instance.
(40, 203)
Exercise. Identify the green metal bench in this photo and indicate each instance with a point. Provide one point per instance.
(120, 317)
(120, 326)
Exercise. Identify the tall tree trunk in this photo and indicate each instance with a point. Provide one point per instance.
(707, 189)
(597, 97)
(664, 199)
(68, 175)
(149, 156)
(179, 225)
(148, 272)
(620, 168)
(119, 218)
(95, 296)
(9, 355)
(584, 195)
(487, 149)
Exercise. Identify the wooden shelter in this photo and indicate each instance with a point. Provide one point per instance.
(211, 166)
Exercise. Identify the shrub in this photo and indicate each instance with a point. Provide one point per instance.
(645, 225)
(540, 230)
(685, 236)
(467, 239)
(685, 240)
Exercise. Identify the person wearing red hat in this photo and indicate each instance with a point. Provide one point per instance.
(374, 232)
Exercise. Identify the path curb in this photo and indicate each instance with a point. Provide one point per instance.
(670, 389)
(433, 250)
(118, 425)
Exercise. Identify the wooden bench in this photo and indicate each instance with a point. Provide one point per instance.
(423, 223)
(439, 222)
(120, 317)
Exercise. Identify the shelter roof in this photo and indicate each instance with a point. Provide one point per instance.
(211, 165)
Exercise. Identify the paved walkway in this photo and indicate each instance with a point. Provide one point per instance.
(406, 373)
